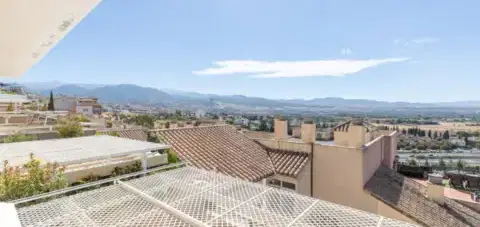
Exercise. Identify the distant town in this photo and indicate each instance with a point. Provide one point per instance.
(418, 149)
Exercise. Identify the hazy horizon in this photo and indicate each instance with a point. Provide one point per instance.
(167, 90)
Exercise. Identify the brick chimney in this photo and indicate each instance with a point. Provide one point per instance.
(281, 129)
(309, 132)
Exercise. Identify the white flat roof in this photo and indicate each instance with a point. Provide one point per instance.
(193, 197)
(74, 150)
(6, 98)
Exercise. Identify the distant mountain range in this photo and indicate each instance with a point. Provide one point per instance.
(128, 93)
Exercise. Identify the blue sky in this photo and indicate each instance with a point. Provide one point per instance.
(405, 50)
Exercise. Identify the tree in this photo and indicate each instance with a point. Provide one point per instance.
(10, 107)
(152, 137)
(404, 131)
(263, 126)
(435, 135)
(33, 179)
(442, 164)
(412, 162)
(446, 135)
(426, 162)
(18, 138)
(50, 102)
(421, 133)
(460, 164)
(167, 124)
(69, 128)
(429, 133)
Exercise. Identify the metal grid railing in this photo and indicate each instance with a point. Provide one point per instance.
(193, 197)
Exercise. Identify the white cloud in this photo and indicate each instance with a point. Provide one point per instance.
(397, 41)
(419, 41)
(424, 40)
(346, 51)
(265, 69)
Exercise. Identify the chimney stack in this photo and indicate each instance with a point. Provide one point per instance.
(436, 193)
(281, 129)
(309, 131)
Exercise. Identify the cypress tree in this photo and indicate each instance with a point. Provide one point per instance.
(50, 102)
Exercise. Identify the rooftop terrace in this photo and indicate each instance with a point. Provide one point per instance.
(192, 197)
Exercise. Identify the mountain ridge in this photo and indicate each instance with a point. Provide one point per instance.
(125, 93)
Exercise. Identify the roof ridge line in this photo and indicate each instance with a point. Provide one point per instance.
(184, 128)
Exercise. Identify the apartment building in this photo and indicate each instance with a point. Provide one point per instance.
(85, 105)
(88, 106)
(17, 101)
(356, 170)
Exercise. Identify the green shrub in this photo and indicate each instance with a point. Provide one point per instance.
(172, 156)
(81, 118)
(32, 179)
(135, 167)
(19, 137)
(69, 129)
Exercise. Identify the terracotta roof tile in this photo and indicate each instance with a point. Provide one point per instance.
(220, 148)
(287, 162)
(409, 198)
(134, 134)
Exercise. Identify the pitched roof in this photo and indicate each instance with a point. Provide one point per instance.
(220, 148)
(287, 162)
(134, 134)
(408, 197)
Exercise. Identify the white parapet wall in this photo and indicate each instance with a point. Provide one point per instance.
(8, 215)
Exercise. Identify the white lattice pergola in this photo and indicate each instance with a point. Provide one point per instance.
(193, 197)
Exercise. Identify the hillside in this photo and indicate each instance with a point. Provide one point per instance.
(123, 93)
(128, 93)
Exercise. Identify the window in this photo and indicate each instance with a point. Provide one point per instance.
(288, 185)
(274, 182)
(85, 110)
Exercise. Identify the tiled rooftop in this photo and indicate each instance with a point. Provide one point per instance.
(287, 162)
(409, 198)
(134, 134)
(220, 148)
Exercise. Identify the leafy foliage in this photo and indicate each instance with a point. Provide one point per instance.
(10, 107)
(19, 137)
(32, 179)
(68, 128)
(80, 118)
(135, 167)
(172, 156)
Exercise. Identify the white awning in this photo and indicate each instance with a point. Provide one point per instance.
(30, 28)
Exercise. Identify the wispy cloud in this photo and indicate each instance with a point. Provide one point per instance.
(265, 69)
(425, 40)
(346, 51)
(419, 41)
